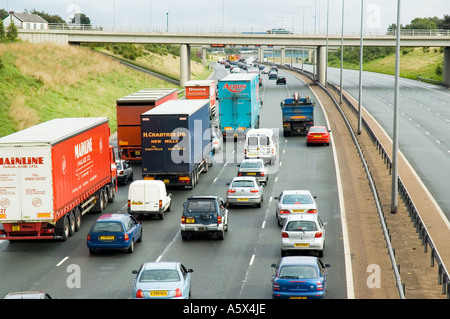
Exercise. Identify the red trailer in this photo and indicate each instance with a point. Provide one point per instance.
(53, 173)
(129, 110)
(202, 89)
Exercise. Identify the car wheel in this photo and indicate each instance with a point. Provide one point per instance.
(131, 249)
(185, 235)
(140, 237)
(221, 234)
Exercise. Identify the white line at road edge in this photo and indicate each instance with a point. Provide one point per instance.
(346, 243)
(62, 261)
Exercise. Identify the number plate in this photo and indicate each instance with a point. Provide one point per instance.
(166, 181)
(107, 237)
(297, 297)
(298, 210)
(251, 173)
(242, 199)
(15, 228)
(158, 293)
(301, 245)
(190, 220)
(317, 135)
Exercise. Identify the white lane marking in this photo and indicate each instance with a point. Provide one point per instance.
(62, 261)
(251, 260)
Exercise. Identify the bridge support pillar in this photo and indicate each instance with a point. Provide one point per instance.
(185, 64)
(446, 75)
(321, 65)
(204, 56)
(283, 56)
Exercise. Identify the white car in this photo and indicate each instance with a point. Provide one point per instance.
(236, 70)
(303, 232)
(294, 202)
(245, 191)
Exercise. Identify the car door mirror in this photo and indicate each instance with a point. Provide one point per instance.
(134, 271)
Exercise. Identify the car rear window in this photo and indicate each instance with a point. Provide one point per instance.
(297, 199)
(243, 183)
(153, 275)
(251, 165)
(107, 227)
(203, 206)
(301, 225)
(298, 272)
(317, 130)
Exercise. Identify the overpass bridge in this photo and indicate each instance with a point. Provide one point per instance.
(186, 38)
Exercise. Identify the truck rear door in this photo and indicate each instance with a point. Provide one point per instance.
(25, 184)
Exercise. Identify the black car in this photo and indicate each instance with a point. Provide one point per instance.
(204, 214)
(281, 80)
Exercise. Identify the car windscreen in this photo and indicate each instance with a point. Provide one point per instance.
(298, 272)
(301, 225)
(119, 165)
(107, 227)
(297, 199)
(154, 275)
(243, 183)
(201, 206)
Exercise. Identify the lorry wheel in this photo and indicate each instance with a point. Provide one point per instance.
(63, 228)
(100, 205)
(111, 194)
(77, 219)
(71, 222)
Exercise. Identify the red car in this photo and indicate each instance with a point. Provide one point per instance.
(318, 135)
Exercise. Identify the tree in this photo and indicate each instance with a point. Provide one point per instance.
(445, 22)
(83, 19)
(11, 32)
(2, 32)
(3, 14)
(50, 18)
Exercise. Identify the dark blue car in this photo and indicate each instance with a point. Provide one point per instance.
(299, 277)
(114, 232)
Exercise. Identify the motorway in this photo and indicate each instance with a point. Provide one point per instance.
(424, 123)
(237, 267)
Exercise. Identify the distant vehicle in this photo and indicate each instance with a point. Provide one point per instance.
(254, 167)
(114, 232)
(318, 135)
(303, 232)
(124, 172)
(27, 295)
(202, 89)
(253, 70)
(162, 280)
(227, 65)
(245, 190)
(274, 68)
(204, 214)
(299, 277)
(278, 31)
(273, 75)
(298, 115)
(236, 69)
(281, 80)
(148, 197)
(294, 202)
(265, 70)
(217, 139)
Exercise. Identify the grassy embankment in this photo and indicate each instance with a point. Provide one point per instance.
(42, 82)
(414, 62)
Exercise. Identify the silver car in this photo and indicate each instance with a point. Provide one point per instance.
(303, 232)
(245, 191)
(254, 167)
(294, 202)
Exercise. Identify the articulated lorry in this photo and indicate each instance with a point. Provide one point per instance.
(176, 142)
(298, 115)
(129, 110)
(239, 104)
(202, 90)
(53, 173)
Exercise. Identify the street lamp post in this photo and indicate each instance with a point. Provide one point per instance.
(167, 21)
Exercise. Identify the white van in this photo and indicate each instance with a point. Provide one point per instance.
(148, 197)
(261, 143)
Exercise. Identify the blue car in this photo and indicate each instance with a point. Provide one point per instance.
(114, 232)
(162, 280)
(299, 277)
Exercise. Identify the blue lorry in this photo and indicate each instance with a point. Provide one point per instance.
(298, 115)
(239, 103)
(176, 142)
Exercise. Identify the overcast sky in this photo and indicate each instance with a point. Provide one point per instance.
(239, 14)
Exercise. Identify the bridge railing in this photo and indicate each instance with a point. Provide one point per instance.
(249, 31)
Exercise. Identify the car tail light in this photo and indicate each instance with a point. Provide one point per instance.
(276, 286)
(319, 285)
(139, 294)
(88, 237)
(254, 190)
(239, 174)
(183, 220)
(312, 211)
(284, 211)
(126, 237)
(318, 234)
(232, 190)
(129, 204)
(160, 203)
(219, 219)
(262, 174)
(120, 173)
(284, 235)
(178, 292)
